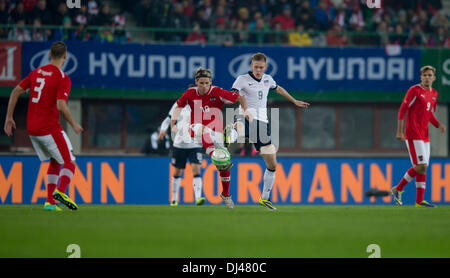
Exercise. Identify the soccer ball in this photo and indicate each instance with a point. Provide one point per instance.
(220, 156)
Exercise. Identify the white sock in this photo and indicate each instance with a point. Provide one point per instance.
(269, 179)
(176, 181)
(198, 185)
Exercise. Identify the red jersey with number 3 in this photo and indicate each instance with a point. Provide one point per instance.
(47, 84)
(205, 109)
(419, 105)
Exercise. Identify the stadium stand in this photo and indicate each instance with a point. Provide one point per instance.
(287, 22)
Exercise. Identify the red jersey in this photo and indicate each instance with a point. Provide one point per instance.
(419, 104)
(205, 108)
(47, 84)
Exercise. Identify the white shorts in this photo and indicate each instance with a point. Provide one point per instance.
(419, 151)
(56, 145)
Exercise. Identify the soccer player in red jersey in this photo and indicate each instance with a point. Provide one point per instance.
(206, 102)
(49, 90)
(419, 104)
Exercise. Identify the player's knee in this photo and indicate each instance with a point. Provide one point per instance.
(420, 168)
(70, 165)
(269, 149)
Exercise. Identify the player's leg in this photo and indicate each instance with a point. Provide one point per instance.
(52, 179)
(61, 150)
(397, 191)
(179, 163)
(423, 155)
(268, 152)
(40, 146)
(269, 155)
(195, 159)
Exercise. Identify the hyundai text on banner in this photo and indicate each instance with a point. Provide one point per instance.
(172, 67)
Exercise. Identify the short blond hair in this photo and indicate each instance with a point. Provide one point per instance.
(427, 67)
(203, 73)
(259, 57)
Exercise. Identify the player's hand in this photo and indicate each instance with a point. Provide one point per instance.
(161, 134)
(400, 136)
(9, 125)
(442, 128)
(77, 128)
(248, 116)
(302, 104)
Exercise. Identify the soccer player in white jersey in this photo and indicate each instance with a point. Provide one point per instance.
(254, 87)
(184, 147)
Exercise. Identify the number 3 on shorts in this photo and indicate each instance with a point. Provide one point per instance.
(41, 82)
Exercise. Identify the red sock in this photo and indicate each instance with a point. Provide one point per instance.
(225, 178)
(66, 176)
(52, 179)
(420, 187)
(409, 175)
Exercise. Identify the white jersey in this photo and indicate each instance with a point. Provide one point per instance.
(183, 139)
(255, 92)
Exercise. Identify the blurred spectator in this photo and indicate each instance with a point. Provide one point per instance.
(145, 15)
(299, 37)
(306, 17)
(178, 21)
(398, 37)
(200, 19)
(18, 13)
(92, 7)
(38, 34)
(324, 15)
(440, 20)
(164, 10)
(42, 13)
(335, 36)
(278, 36)
(416, 37)
(341, 16)
(285, 18)
(383, 34)
(219, 14)
(65, 32)
(60, 14)
(241, 34)
(256, 16)
(81, 16)
(196, 36)
(104, 17)
(403, 20)
(208, 8)
(221, 36)
(356, 17)
(29, 5)
(188, 8)
(19, 33)
(259, 33)
(4, 16)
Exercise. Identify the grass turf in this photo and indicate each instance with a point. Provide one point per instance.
(122, 231)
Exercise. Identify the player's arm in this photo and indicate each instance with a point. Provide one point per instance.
(281, 91)
(243, 103)
(62, 107)
(13, 98)
(406, 104)
(436, 123)
(175, 114)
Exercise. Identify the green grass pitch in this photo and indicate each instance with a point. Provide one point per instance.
(212, 231)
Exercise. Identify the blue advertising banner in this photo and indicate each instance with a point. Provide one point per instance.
(172, 67)
(299, 181)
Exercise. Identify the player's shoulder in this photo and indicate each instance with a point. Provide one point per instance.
(243, 77)
(416, 87)
(51, 70)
